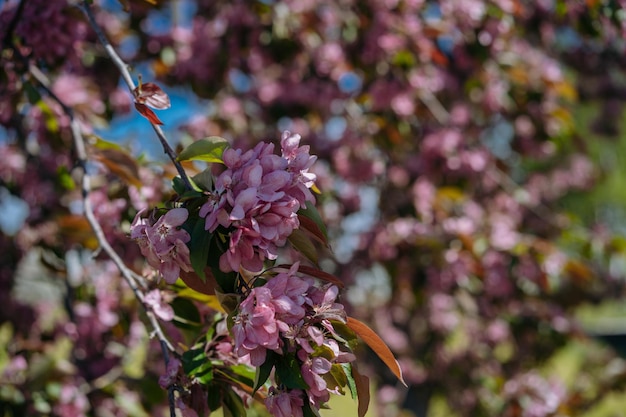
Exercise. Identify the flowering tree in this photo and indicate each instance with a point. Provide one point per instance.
(222, 234)
(447, 153)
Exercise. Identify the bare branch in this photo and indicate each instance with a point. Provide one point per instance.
(123, 68)
(129, 276)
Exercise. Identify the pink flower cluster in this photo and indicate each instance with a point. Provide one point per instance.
(164, 242)
(256, 198)
(292, 315)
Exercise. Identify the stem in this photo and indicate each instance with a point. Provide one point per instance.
(171, 388)
(123, 69)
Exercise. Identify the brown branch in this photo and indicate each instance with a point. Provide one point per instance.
(123, 69)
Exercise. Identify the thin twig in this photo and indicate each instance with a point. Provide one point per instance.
(436, 108)
(81, 154)
(170, 390)
(127, 274)
(123, 69)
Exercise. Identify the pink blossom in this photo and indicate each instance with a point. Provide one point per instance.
(323, 303)
(164, 243)
(286, 403)
(256, 328)
(288, 296)
(312, 370)
(72, 402)
(257, 198)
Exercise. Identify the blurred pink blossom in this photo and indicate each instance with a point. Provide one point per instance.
(155, 302)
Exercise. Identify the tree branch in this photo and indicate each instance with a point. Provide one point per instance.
(123, 69)
(132, 279)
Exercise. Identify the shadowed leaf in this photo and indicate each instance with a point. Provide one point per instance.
(121, 164)
(312, 221)
(304, 245)
(263, 371)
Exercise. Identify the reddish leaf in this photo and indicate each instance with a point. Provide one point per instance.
(121, 164)
(377, 345)
(152, 95)
(318, 227)
(363, 390)
(317, 273)
(193, 281)
(148, 114)
(310, 226)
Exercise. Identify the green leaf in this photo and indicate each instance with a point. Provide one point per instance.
(199, 248)
(204, 373)
(214, 396)
(289, 373)
(52, 124)
(193, 359)
(225, 280)
(32, 93)
(317, 227)
(208, 149)
(339, 376)
(304, 245)
(347, 369)
(307, 411)
(204, 180)
(348, 336)
(102, 144)
(6, 335)
(186, 314)
(65, 178)
(243, 373)
(324, 351)
(233, 405)
(196, 364)
(191, 197)
(179, 185)
(263, 372)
